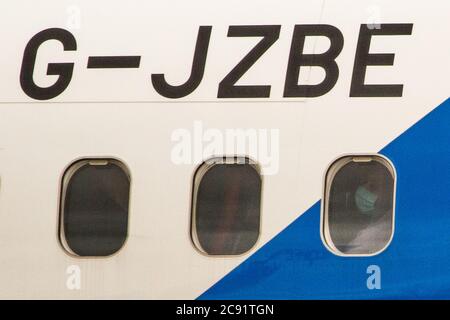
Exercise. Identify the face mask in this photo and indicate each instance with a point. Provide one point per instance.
(365, 200)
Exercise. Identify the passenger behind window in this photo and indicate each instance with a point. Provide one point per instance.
(360, 210)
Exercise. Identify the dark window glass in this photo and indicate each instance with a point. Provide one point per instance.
(359, 205)
(226, 206)
(94, 208)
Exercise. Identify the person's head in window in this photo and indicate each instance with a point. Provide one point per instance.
(370, 195)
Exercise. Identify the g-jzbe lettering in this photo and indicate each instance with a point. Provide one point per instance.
(227, 88)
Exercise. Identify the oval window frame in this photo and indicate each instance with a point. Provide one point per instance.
(199, 173)
(65, 178)
(324, 229)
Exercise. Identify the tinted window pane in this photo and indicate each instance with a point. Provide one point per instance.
(227, 209)
(360, 205)
(95, 208)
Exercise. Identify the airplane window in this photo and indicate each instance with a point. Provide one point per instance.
(226, 206)
(358, 209)
(94, 207)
